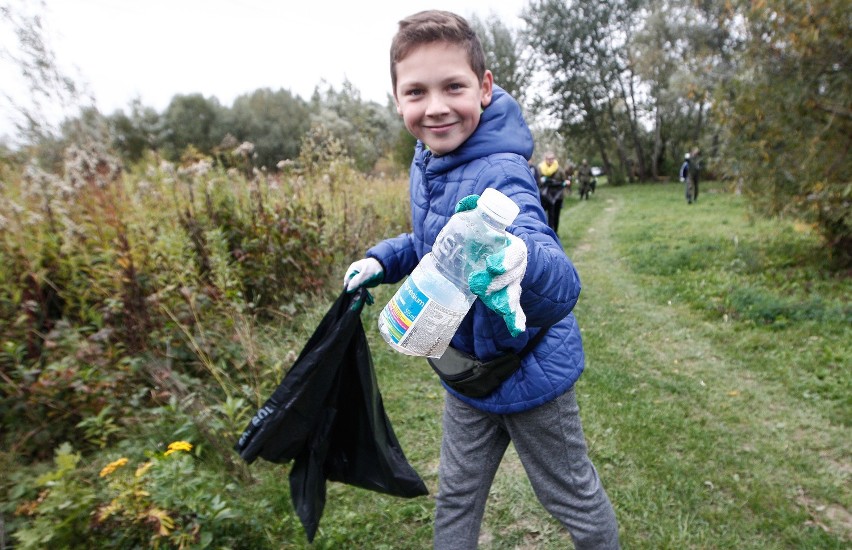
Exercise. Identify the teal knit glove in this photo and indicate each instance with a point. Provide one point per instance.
(499, 284)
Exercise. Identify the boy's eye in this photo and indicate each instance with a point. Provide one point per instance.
(414, 92)
(455, 86)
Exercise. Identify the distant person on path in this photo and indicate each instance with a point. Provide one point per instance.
(551, 186)
(685, 177)
(471, 136)
(695, 171)
(584, 177)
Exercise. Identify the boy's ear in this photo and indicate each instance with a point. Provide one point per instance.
(487, 88)
(396, 103)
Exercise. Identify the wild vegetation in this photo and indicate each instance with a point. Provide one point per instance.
(159, 273)
(133, 299)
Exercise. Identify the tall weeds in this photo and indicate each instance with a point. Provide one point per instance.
(115, 280)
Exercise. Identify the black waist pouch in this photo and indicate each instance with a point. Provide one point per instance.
(474, 378)
(471, 377)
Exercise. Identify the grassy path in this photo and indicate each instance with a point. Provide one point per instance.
(696, 449)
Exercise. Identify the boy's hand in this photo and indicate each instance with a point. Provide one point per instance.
(365, 273)
(499, 285)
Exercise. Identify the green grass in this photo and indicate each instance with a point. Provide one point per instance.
(717, 421)
(715, 399)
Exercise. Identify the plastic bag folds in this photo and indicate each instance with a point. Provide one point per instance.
(327, 417)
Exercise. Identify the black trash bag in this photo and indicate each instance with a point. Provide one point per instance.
(327, 416)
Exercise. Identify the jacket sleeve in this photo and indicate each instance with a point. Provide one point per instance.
(397, 256)
(551, 286)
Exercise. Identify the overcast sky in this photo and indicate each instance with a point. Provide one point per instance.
(122, 49)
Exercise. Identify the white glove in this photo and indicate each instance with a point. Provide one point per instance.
(499, 285)
(682, 180)
(363, 273)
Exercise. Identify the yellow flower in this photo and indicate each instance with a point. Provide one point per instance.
(113, 466)
(178, 446)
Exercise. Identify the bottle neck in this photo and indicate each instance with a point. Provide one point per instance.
(490, 219)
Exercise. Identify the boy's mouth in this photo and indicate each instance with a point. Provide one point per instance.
(441, 128)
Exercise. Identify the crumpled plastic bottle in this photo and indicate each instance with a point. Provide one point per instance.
(423, 316)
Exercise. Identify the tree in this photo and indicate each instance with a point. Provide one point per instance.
(274, 121)
(192, 120)
(582, 47)
(367, 129)
(134, 134)
(715, 46)
(504, 55)
(788, 116)
(659, 48)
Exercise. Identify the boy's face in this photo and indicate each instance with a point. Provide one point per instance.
(439, 96)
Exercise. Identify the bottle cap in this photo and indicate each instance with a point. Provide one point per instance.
(498, 206)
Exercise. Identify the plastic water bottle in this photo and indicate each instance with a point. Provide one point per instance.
(428, 308)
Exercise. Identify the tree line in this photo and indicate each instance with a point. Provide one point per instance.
(762, 88)
(275, 122)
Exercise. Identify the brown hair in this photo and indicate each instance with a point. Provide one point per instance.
(431, 26)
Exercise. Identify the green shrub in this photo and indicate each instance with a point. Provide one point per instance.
(72, 393)
(163, 499)
(105, 271)
(60, 513)
(760, 305)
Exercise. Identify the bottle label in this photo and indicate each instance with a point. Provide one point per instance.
(417, 323)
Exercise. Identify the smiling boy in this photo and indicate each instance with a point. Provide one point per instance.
(440, 108)
(471, 136)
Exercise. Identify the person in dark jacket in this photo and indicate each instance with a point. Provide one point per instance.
(695, 171)
(471, 136)
(551, 188)
(684, 178)
(584, 177)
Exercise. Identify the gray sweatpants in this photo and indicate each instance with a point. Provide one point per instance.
(550, 443)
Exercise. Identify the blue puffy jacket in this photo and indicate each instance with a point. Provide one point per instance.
(495, 155)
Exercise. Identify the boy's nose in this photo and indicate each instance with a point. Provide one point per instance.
(436, 106)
